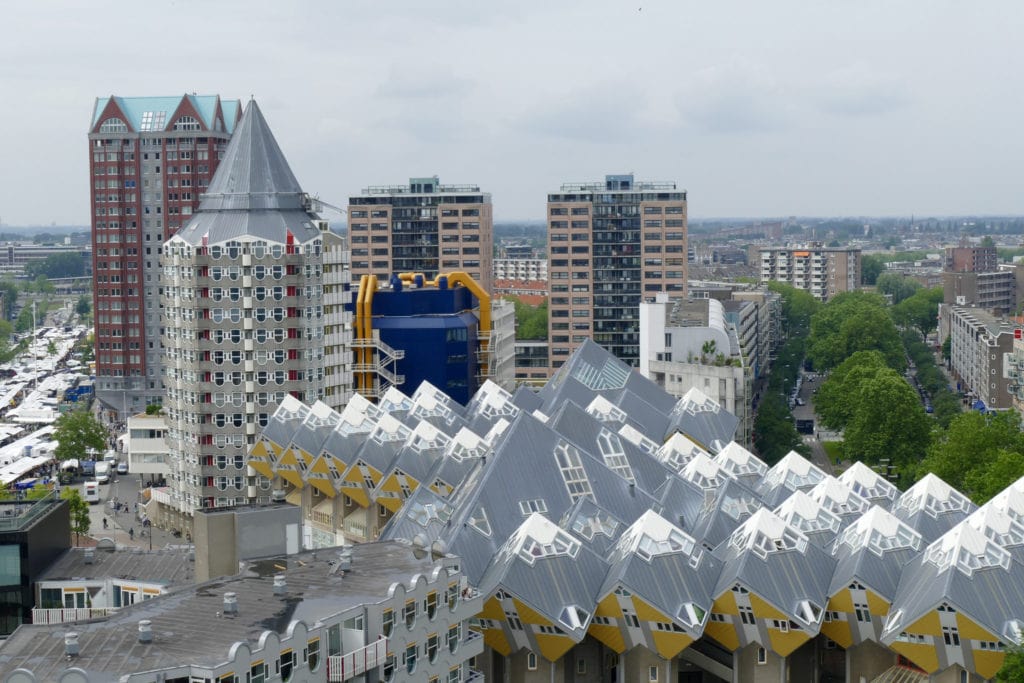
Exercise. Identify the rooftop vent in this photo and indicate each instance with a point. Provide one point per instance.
(145, 631)
(230, 604)
(71, 644)
(280, 585)
(90, 555)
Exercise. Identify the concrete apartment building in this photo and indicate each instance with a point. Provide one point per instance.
(150, 159)
(981, 345)
(822, 271)
(998, 291)
(701, 344)
(423, 227)
(611, 245)
(521, 269)
(243, 320)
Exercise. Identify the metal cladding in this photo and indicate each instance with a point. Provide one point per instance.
(586, 510)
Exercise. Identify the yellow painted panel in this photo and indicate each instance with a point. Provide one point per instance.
(609, 607)
(325, 486)
(529, 616)
(392, 504)
(669, 643)
(970, 630)
(842, 601)
(339, 464)
(610, 635)
(645, 612)
(724, 633)
(275, 449)
(784, 643)
(762, 610)
(357, 494)
(552, 647)
(987, 663)
(492, 610)
(877, 604)
(496, 640)
(319, 466)
(262, 467)
(922, 654)
(259, 450)
(390, 484)
(839, 631)
(929, 625)
(291, 476)
(288, 458)
(726, 604)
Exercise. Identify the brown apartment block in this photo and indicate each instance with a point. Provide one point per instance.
(423, 227)
(970, 259)
(611, 245)
(150, 159)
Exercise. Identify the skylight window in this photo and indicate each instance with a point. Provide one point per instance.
(614, 455)
(570, 464)
(153, 120)
(560, 544)
(480, 522)
(574, 617)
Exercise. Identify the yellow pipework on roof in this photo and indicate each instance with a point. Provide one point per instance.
(464, 279)
(360, 312)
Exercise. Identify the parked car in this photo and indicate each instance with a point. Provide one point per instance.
(122, 467)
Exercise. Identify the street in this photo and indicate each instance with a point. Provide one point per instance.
(125, 490)
(806, 412)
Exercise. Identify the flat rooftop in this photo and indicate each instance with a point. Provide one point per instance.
(188, 624)
(171, 567)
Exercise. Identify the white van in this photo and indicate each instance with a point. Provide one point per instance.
(91, 492)
(103, 472)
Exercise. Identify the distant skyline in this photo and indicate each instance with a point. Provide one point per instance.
(756, 109)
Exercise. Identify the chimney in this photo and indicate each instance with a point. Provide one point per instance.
(230, 604)
(71, 644)
(280, 585)
(145, 631)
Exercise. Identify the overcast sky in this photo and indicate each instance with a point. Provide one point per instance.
(816, 107)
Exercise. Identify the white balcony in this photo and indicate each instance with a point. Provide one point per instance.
(351, 664)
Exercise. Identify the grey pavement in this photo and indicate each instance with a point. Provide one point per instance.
(124, 489)
(806, 412)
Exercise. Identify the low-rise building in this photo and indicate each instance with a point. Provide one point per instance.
(377, 611)
(146, 447)
(998, 291)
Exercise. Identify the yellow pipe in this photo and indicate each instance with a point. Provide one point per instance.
(371, 288)
(409, 278)
(464, 279)
(361, 353)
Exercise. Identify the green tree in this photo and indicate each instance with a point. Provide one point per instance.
(774, 432)
(965, 456)
(84, 306)
(920, 310)
(835, 336)
(889, 423)
(798, 306)
(9, 292)
(154, 409)
(76, 433)
(1013, 667)
(987, 241)
(838, 397)
(871, 267)
(899, 287)
(947, 347)
(79, 511)
(531, 321)
(67, 264)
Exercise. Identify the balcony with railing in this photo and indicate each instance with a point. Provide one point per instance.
(358, 662)
(70, 614)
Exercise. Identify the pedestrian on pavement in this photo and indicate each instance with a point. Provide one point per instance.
(131, 533)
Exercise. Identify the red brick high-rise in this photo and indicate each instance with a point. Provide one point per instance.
(150, 159)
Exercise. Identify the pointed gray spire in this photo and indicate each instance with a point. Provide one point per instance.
(253, 173)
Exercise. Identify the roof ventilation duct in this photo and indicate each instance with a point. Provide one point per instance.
(71, 644)
(145, 631)
(280, 585)
(230, 604)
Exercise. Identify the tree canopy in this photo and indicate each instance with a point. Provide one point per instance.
(899, 287)
(531, 321)
(979, 454)
(920, 310)
(871, 267)
(67, 264)
(889, 422)
(76, 433)
(851, 322)
(839, 395)
(79, 510)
